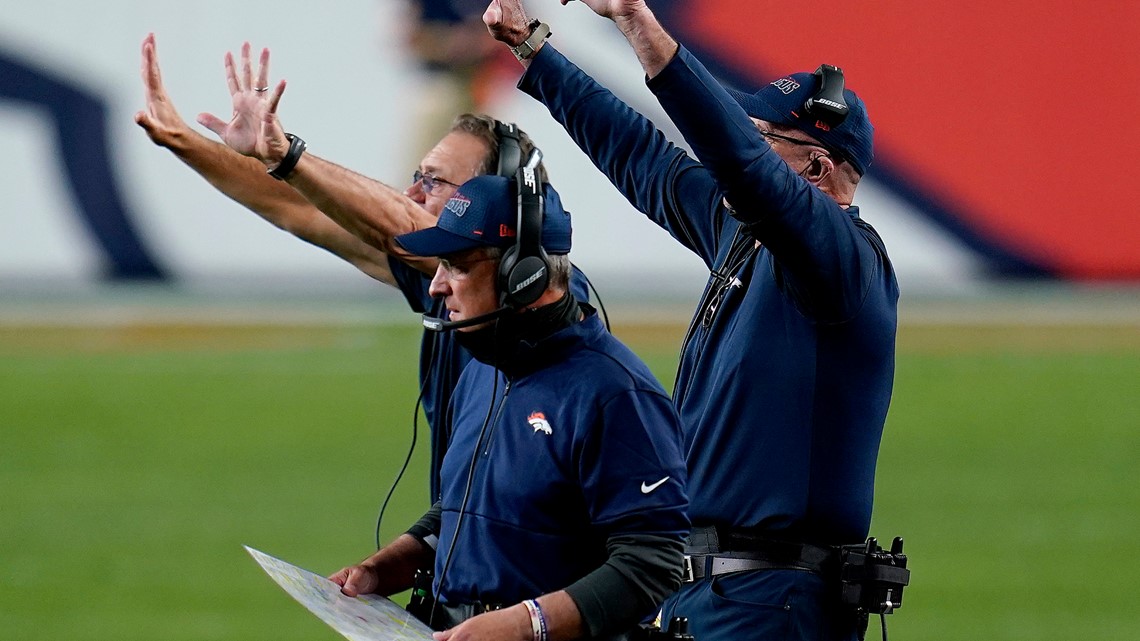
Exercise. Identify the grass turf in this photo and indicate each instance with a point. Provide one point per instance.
(135, 462)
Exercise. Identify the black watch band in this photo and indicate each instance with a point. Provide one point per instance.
(292, 157)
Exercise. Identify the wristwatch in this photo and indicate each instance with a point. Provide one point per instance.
(539, 31)
(292, 157)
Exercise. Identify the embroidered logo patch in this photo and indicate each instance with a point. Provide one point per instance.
(537, 420)
(458, 205)
(786, 85)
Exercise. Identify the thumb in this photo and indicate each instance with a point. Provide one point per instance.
(493, 16)
(357, 582)
(213, 123)
(142, 119)
(443, 635)
(340, 577)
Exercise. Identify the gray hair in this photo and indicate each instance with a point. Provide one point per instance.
(483, 127)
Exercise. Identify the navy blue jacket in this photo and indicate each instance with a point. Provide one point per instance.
(579, 444)
(786, 374)
(441, 358)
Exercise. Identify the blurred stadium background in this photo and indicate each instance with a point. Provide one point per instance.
(178, 378)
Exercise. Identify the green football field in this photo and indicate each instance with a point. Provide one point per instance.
(136, 461)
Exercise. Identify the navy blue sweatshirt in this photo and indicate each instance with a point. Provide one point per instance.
(442, 359)
(786, 373)
(576, 448)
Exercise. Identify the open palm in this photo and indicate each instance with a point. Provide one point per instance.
(253, 129)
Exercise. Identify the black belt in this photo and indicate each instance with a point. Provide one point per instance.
(712, 551)
(447, 615)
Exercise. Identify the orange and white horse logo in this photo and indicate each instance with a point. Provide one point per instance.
(537, 420)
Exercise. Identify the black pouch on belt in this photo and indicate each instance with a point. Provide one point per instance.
(872, 578)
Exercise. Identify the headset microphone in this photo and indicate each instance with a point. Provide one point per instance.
(437, 324)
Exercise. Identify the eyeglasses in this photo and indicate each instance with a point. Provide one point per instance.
(429, 181)
(795, 141)
(768, 135)
(461, 269)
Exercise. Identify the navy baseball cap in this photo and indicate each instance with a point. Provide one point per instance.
(483, 212)
(782, 103)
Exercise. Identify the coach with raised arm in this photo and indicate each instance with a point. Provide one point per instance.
(787, 368)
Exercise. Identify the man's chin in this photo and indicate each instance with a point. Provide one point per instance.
(475, 328)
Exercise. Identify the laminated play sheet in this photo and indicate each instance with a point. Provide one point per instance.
(363, 618)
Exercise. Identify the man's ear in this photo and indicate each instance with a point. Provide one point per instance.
(819, 168)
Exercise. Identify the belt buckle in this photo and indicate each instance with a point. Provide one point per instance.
(687, 569)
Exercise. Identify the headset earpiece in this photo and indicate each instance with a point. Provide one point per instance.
(815, 168)
(524, 271)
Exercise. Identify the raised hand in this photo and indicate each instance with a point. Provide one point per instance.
(159, 119)
(254, 129)
(507, 21)
(613, 9)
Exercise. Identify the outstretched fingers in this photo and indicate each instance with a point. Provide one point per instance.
(231, 75)
(246, 68)
(274, 99)
(271, 132)
(151, 73)
(214, 124)
(263, 71)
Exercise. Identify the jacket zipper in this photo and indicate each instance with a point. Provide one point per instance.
(498, 415)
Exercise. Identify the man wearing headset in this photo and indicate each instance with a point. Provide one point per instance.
(563, 506)
(787, 369)
(318, 197)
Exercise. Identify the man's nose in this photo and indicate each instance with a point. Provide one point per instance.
(438, 286)
(416, 192)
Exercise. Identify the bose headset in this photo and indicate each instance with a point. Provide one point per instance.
(828, 103)
(524, 270)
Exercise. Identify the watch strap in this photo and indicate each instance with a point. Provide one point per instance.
(292, 157)
(539, 31)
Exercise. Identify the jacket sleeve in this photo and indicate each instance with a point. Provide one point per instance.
(656, 177)
(827, 260)
(633, 480)
(641, 570)
(427, 528)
